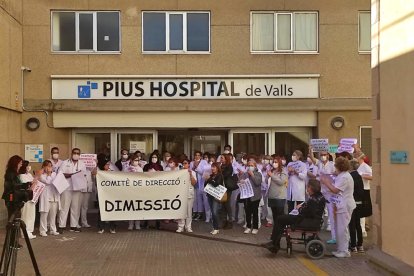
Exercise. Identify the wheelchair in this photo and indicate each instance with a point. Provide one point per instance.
(303, 233)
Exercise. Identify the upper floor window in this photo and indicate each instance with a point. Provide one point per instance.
(85, 31)
(284, 32)
(364, 31)
(176, 32)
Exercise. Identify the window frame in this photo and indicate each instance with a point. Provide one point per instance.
(95, 32)
(167, 34)
(359, 32)
(292, 40)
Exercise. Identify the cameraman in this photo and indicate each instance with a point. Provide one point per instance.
(15, 192)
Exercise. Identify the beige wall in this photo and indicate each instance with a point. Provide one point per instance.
(10, 63)
(393, 82)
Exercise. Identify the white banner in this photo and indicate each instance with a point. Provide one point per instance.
(111, 88)
(89, 159)
(216, 192)
(246, 189)
(142, 196)
(60, 183)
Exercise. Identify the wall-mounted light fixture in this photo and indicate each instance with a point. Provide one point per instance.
(337, 122)
(32, 124)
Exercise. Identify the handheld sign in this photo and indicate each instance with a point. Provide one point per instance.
(319, 145)
(37, 191)
(346, 145)
(246, 189)
(216, 192)
(60, 183)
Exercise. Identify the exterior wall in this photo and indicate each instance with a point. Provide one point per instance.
(393, 113)
(10, 61)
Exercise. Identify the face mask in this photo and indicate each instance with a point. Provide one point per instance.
(125, 156)
(226, 152)
(167, 158)
(171, 165)
(244, 162)
(28, 168)
(211, 162)
(294, 158)
(135, 163)
(276, 165)
(309, 160)
(55, 156)
(154, 159)
(267, 161)
(251, 168)
(283, 162)
(324, 158)
(75, 157)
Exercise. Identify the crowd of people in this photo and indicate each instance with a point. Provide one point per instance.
(285, 191)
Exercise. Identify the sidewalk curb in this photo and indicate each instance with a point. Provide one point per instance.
(387, 264)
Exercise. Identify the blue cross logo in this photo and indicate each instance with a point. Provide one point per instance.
(84, 91)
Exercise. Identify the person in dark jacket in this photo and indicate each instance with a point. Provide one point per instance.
(227, 171)
(154, 163)
(215, 179)
(355, 229)
(123, 162)
(12, 184)
(309, 217)
(251, 205)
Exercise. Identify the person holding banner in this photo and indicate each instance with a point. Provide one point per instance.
(56, 162)
(29, 209)
(186, 223)
(297, 173)
(215, 179)
(201, 202)
(74, 171)
(251, 205)
(124, 161)
(49, 201)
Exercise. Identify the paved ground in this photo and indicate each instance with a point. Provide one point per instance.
(154, 252)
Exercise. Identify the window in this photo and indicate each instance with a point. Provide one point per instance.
(364, 32)
(176, 32)
(85, 31)
(291, 32)
(365, 136)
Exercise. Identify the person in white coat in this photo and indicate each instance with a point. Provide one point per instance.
(54, 158)
(70, 199)
(201, 203)
(85, 196)
(326, 167)
(29, 208)
(134, 167)
(343, 200)
(297, 173)
(186, 223)
(49, 201)
(365, 171)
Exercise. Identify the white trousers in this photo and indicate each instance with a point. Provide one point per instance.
(84, 208)
(342, 231)
(49, 218)
(65, 202)
(29, 215)
(132, 222)
(187, 221)
(75, 208)
(233, 203)
(331, 216)
(363, 225)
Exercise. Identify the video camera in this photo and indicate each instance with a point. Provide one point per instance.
(21, 194)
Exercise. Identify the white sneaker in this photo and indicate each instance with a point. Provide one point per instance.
(112, 231)
(31, 236)
(247, 231)
(255, 231)
(54, 233)
(364, 234)
(86, 226)
(179, 230)
(131, 227)
(189, 230)
(214, 232)
(328, 228)
(43, 234)
(101, 231)
(342, 254)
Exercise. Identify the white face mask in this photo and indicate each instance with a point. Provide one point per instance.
(125, 156)
(251, 168)
(244, 162)
(135, 163)
(275, 165)
(294, 158)
(211, 162)
(171, 165)
(226, 152)
(154, 159)
(309, 160)
(28, 168)
(55, 156)
(267, 161)
(75, 157)
(324, 158)
(283, 162)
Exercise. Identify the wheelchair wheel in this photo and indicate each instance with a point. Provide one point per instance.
(315, 249)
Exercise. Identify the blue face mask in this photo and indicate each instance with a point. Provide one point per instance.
(251, 168)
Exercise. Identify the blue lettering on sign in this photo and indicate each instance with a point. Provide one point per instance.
(84, 91)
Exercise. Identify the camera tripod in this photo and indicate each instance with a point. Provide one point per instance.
(11, 246)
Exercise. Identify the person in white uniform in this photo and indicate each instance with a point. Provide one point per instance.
(342, 198)
(29, 208)
(134, 167)
(186, 223)
(201, 203)
(326, 167)
(296, 180)
(365, 171)
(56, 162)
(70, 198)
(85, 196)
(49, 201)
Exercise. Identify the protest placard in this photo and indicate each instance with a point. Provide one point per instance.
(246, 189)
(346, 145)
(89, 159)
(60, 183)
(319, 145)
(216, 192)
(37, 191)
